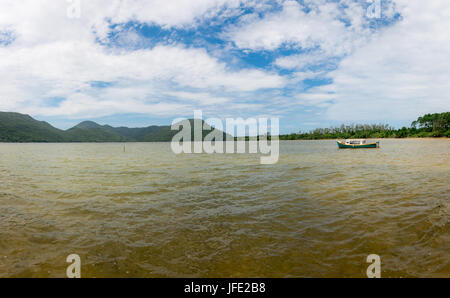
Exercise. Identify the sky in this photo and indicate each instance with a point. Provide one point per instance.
(310, 63)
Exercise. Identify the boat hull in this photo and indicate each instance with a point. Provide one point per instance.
(365, 146)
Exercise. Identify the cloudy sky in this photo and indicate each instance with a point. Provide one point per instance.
(313, 63)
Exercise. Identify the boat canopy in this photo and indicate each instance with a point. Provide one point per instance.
(356, 142)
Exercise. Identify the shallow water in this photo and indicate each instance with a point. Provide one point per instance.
(145, 212)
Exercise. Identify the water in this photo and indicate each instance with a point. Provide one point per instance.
(145, 212)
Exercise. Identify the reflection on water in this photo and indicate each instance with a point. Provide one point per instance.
(145, 212)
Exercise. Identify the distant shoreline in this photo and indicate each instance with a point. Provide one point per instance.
(407, 138)
(20, 128)
(166, 142)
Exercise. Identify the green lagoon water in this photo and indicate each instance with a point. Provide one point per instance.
(145, 212)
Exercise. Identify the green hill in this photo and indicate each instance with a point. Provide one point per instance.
(89, 131)
(15, 127)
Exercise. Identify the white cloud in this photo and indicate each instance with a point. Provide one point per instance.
(306, 60)
(40, 21)
(325, 32)
(318, 99)
(85, 106)
(65, 68)
(397, 72)
(200, 97)
(56, 56)
(322, 27)
(402, 73)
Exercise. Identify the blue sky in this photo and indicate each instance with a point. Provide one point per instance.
(310, 63)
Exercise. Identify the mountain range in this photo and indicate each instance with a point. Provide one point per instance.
(20, 128)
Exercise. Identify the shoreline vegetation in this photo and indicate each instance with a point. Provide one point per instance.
(19, 128)
(428, 126)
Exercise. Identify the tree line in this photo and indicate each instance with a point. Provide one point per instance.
(429, 125)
